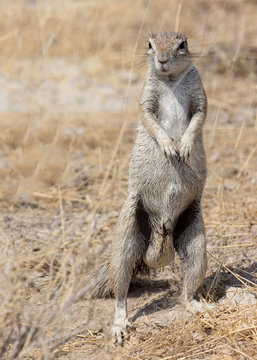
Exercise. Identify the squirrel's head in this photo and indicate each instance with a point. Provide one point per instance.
(168, 53)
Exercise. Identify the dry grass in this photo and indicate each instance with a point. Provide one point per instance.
(71, 73)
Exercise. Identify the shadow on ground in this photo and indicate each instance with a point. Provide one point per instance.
(214, 288)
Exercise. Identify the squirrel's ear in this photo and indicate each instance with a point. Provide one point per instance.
(182, 48)
(150, 47)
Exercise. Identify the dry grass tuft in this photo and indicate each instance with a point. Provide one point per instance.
(70, 76)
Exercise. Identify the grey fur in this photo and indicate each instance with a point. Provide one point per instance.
(167, 176)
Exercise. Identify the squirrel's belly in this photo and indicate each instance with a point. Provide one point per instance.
(163, 181)
(173, 114)
(169, 189)
(166, 200)
(175, 125)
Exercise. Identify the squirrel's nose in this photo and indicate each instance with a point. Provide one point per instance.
(163, 57)
(163, 61)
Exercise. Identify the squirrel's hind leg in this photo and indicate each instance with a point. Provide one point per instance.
(189, 242)
(128, 249)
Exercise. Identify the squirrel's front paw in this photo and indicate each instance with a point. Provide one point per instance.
(167, 146)
(185, 148)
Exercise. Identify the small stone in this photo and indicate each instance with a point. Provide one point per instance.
(238, 297)
(197, 336)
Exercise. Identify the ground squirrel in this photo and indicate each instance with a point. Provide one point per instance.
(167, 176)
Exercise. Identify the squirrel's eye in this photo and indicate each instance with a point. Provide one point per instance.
(182, 46)
(150, 45)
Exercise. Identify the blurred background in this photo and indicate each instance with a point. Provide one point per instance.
(71, 73)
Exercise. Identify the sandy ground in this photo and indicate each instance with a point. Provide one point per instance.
(68, 115)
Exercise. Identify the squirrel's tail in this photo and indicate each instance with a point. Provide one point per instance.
(101, 283)
(101, 280)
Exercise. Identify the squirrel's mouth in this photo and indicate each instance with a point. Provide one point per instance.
(163, 68)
